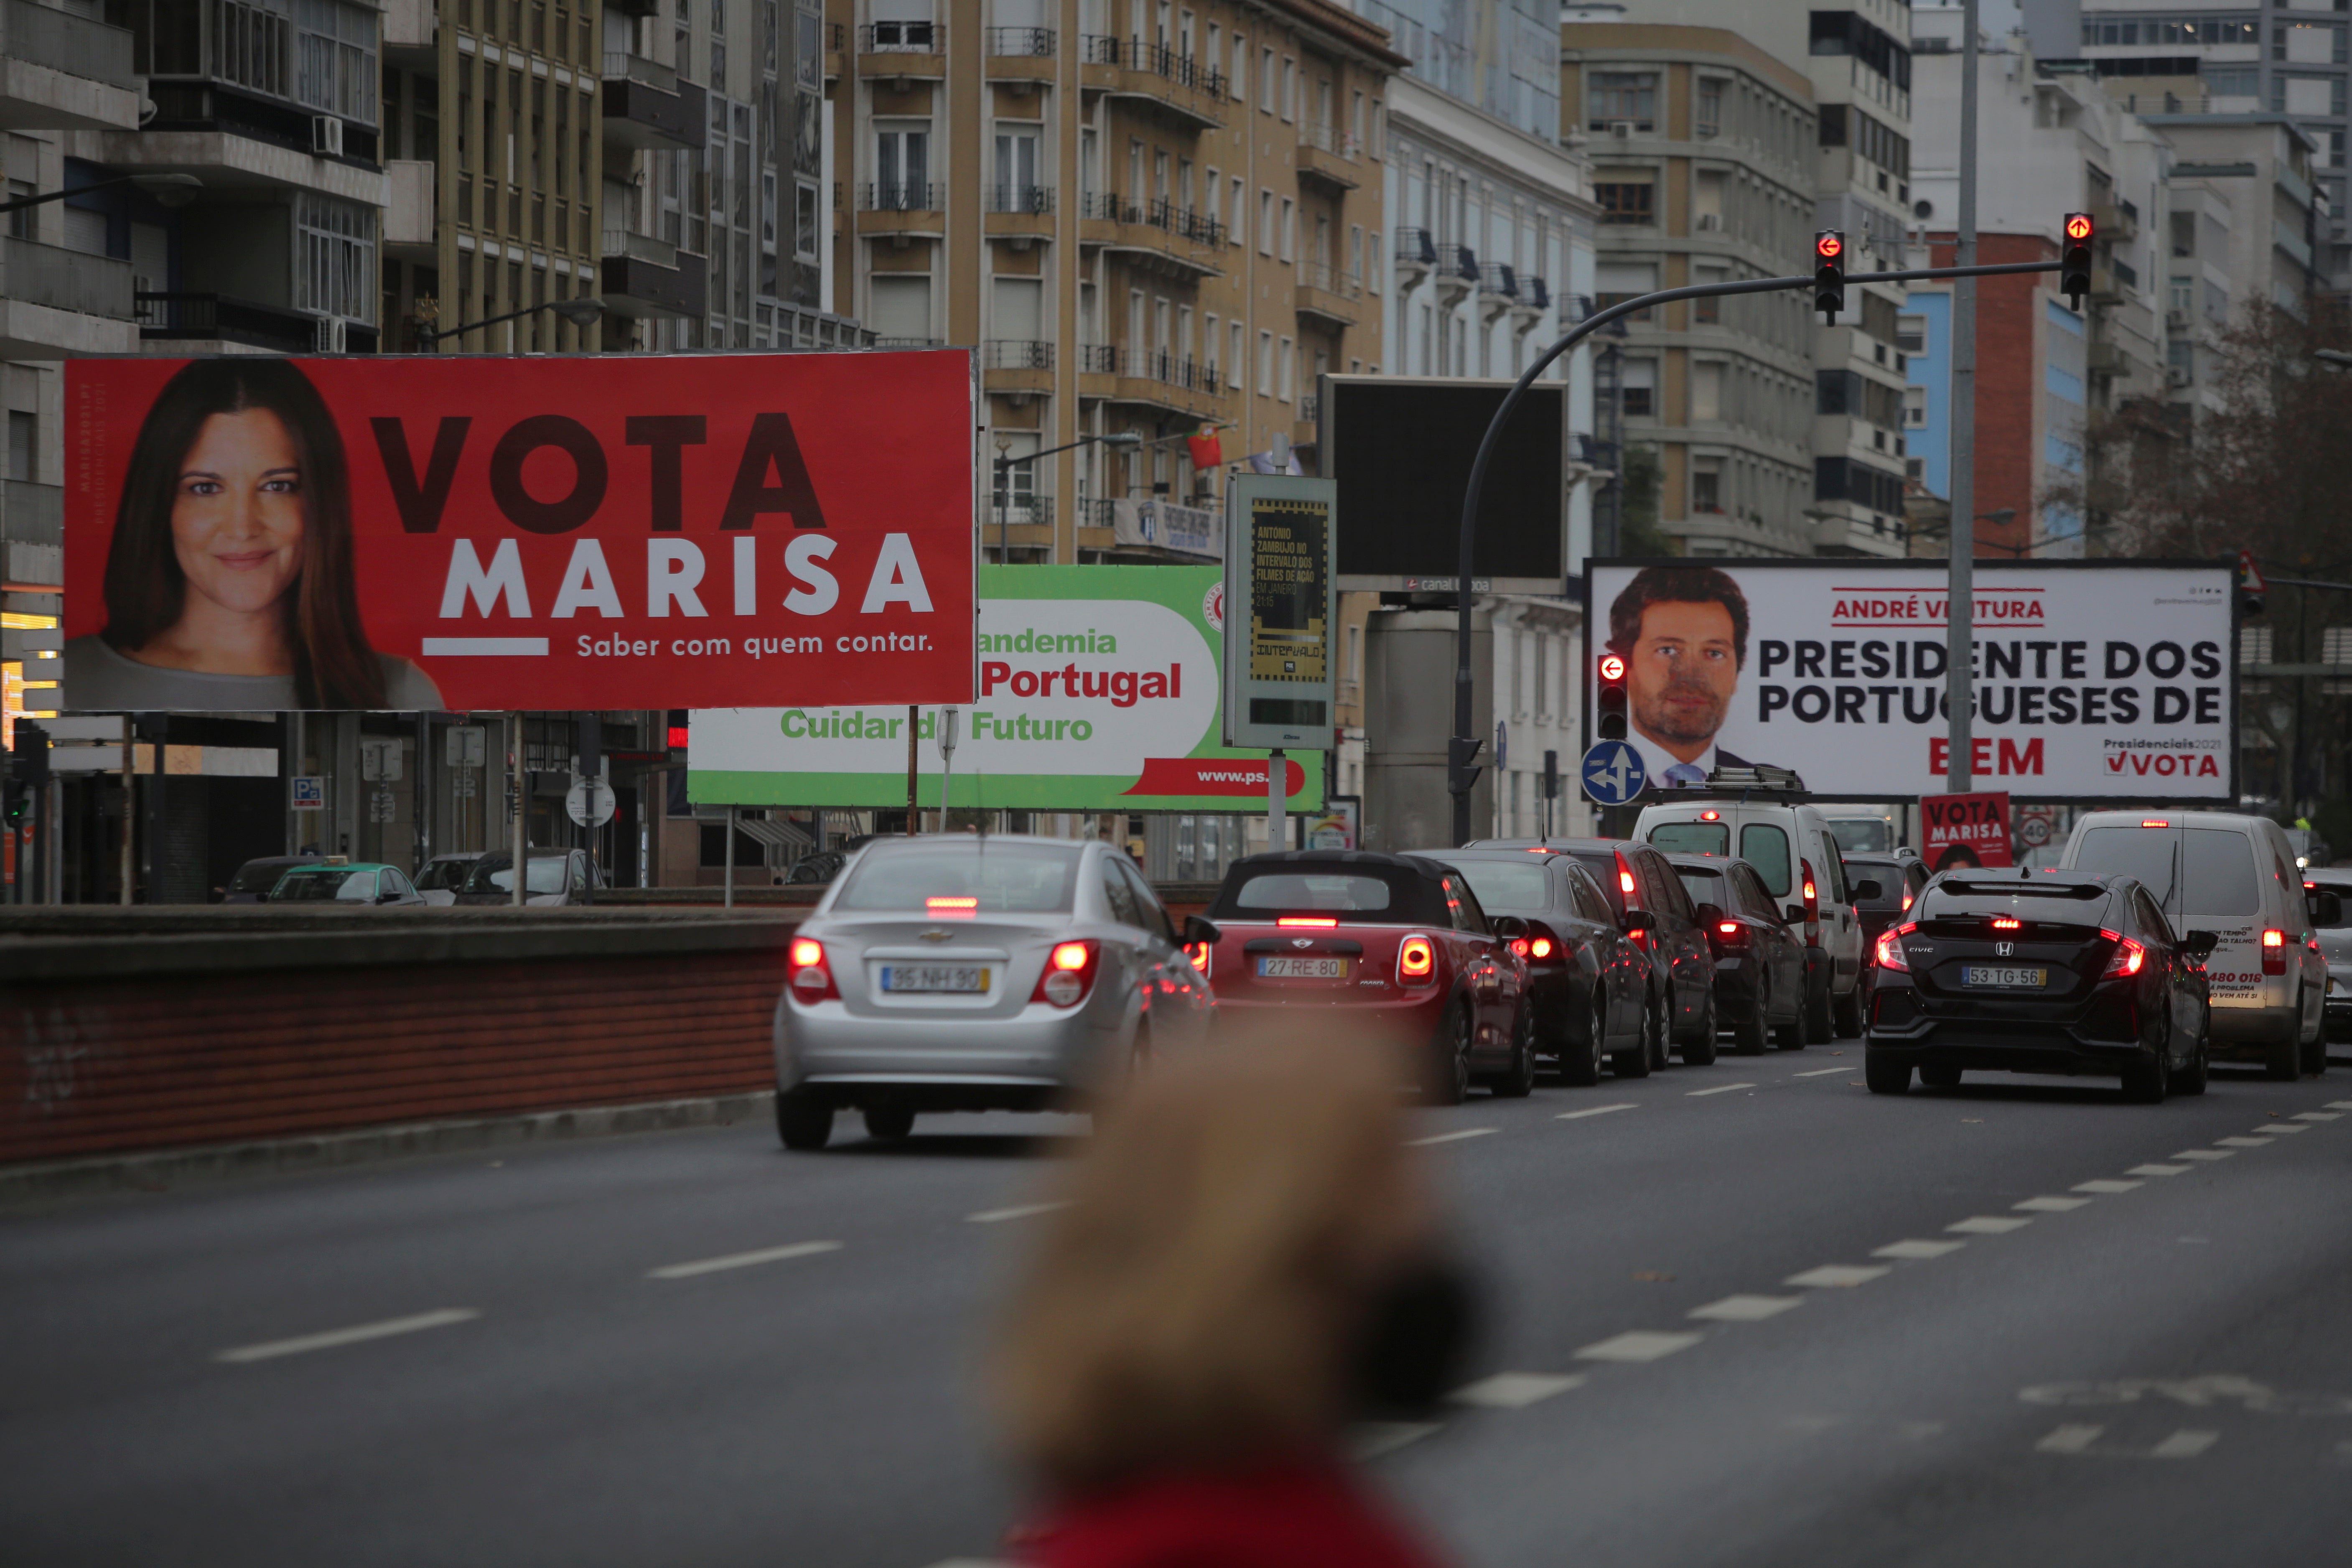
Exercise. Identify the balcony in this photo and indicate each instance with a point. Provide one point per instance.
(1457, 272)
(408, 221)
(647, 108)
(640, 276)
(1329, 155)
(1020, 213)
(1190, 91)
(1020, 56)
(1535, 298)
(1191, 388)
(1169, 238)
(56, 302)
(60, 71)
(1019, 511)
(194, 320)
(1498, 289)
(1416, 255)
(1017, 365)
(908, 51)
(1328, 294)
(902, 208)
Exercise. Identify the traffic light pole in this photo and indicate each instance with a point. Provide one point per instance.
(1960, 596)
(1462, 750)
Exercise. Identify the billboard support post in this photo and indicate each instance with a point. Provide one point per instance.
(1959, 616)
(727, 897)
(518, 775)
(129, 795)
(1277, 774)
(914, 807)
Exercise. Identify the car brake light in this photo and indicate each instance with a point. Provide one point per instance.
(812, 977)
(951, 907)
(1416, 958)
(1729, 928)
(2127, 958)
(2006, 922)
(1541, 947)
(1812, 906)
(2154, 822)
(1906, 901)
(2274, 952)
(1888, 953)
(1324, 922)
(1710, 816)
(1069, 973)
(1199, 953)
(1624, 879)
(1520, 946)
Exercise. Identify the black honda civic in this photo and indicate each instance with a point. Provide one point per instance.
(2057, 972)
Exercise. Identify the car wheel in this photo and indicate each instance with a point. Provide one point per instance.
(1846, 1013)
(1518, 1080)
(1819, 1027)
(1662, 1042)
(1748, 1036)
(1884, 1075)
(1449, 1071)
(2284, 1060)
(2147, 1082)
(1940, 1078)
(1698, 1051)
(1581, 1065)
(1637, 1062)
(1790, 1035)
(803, 1120)
(891, 1121)
(2314, 1049)
(2191, 1078)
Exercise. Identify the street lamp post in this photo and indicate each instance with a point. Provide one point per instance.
(170, 190)
(582, 312)
(1001, 492)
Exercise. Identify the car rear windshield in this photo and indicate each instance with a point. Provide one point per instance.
(1766, 848)
(1691, 838)
(1888, 877)
(2046, 903)
(337, 886)
(2212, 868)
(1861, 835)
(1602, 863)
(443, 876)
(2343, 891)
(952, 880)
(257, 876)
(1383, 895)
(495, 874)
(1507, 887)
(1705, 887)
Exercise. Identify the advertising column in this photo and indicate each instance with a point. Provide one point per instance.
(1279, 563)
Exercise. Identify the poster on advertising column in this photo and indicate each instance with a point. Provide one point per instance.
(543, 531)
(1098, 691)
(2094, 680)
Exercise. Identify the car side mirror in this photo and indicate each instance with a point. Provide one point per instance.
(387, 898)
(1793, 913)
(1710, 914)
(2326, 909)
(1508, 928)
(2199, 945)
(1198, 930)
(1863, 892)
(1633, 921)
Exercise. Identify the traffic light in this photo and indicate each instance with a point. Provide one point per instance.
(1610, 701)
(2075, 259)
(2250, 585)
(1829, 274)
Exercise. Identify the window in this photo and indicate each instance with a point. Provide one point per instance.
(1356, 252)
(1289, 88)
(1911, 334)
(1266, 81)
(1212, 340)
(334, 261)
(1706, 391)
(1266, 223)
(1016, 172)
(1237, 227)
(1374, 281)
(902, 158)
(1265, 364)
(1622, 97)
(1241, 70)
(1914, 407)
(1286, 362)
(1709, 117)
(1289, 229)
(804, 222)
(1709, 312)
(1233, 362)
(1641, 388)
(1707, 487)
(1626, 201)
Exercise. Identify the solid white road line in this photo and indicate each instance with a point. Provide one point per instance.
(1921, 1250)
(1450, 1137)
(2105, 1187)
(2050, 1204)
(1988, 1225)
(1719, 1088)
(2319, 1116)
(2185, 1444)
(742, 1260)
(1018, 1211)
(1821, 1072)
(1747, 1308)
(2203, 1154)
(2069, 1440)
(1516, 1390)
(1836, 1276)
(2243, 1143)
(2157, 1171)
(1592, 1111)
(1641, 1344)
(357, 1334)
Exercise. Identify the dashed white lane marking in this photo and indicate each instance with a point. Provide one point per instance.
(358, 1333)
(1450, 1137)
(1833, 1276)
(1367, 1440)
(2050, 1204)
(1820, 1072)
(2158, 1171)
(2319, 1116)
(740, 1260)
(1919, 1431)
(2185, 1444)
(1516, 1390)
(1018, 1211)
(1747, 1308)
(2282, 1127)
(2203, 1154)
(1920, 1249)
(2243, 1143)
(1641, 1344)
(1592, 1111)
(2103, 1187)
(1719, 1088)
(2339, 1105)
(1988, 1225)
(2069, 1440)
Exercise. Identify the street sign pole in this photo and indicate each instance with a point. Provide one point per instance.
(1959, 628)
(949, 719)
(1277, 771)
(519, 778)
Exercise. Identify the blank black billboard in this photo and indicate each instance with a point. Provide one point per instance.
(1401, 451)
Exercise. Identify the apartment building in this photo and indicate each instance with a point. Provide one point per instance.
(1149, 217)
(1703, 150)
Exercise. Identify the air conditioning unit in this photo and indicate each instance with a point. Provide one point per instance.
(2176, 321)
(327, 135)
(1710, 223)
(2176, 375)
(330, 336)
(1620, 128)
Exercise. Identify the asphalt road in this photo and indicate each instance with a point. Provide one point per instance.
(1744, 1314)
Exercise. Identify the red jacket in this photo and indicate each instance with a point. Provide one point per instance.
(1312, 1514)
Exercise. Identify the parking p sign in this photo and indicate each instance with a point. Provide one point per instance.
(309, 793)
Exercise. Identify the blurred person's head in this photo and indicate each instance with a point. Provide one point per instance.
(1249, 1260)
(1958, 857)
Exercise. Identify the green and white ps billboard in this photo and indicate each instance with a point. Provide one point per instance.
(1099, 690)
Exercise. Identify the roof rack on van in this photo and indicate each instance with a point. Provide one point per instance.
(1743, 782)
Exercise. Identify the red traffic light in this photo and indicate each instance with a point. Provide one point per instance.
(1830, 246)
(2078, 227)
(1611, 667)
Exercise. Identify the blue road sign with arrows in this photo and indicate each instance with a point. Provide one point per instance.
(1612, 773)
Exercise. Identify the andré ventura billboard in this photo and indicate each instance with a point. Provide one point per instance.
(1098, 691)
(2094, 680)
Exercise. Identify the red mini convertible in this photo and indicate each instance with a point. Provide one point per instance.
(1388, 944)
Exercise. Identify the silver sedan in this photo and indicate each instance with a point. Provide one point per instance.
(957, 973)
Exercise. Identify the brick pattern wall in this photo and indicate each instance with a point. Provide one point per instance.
(2011, 354)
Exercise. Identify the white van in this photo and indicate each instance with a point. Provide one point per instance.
(2234, 876)
(1792, 849)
